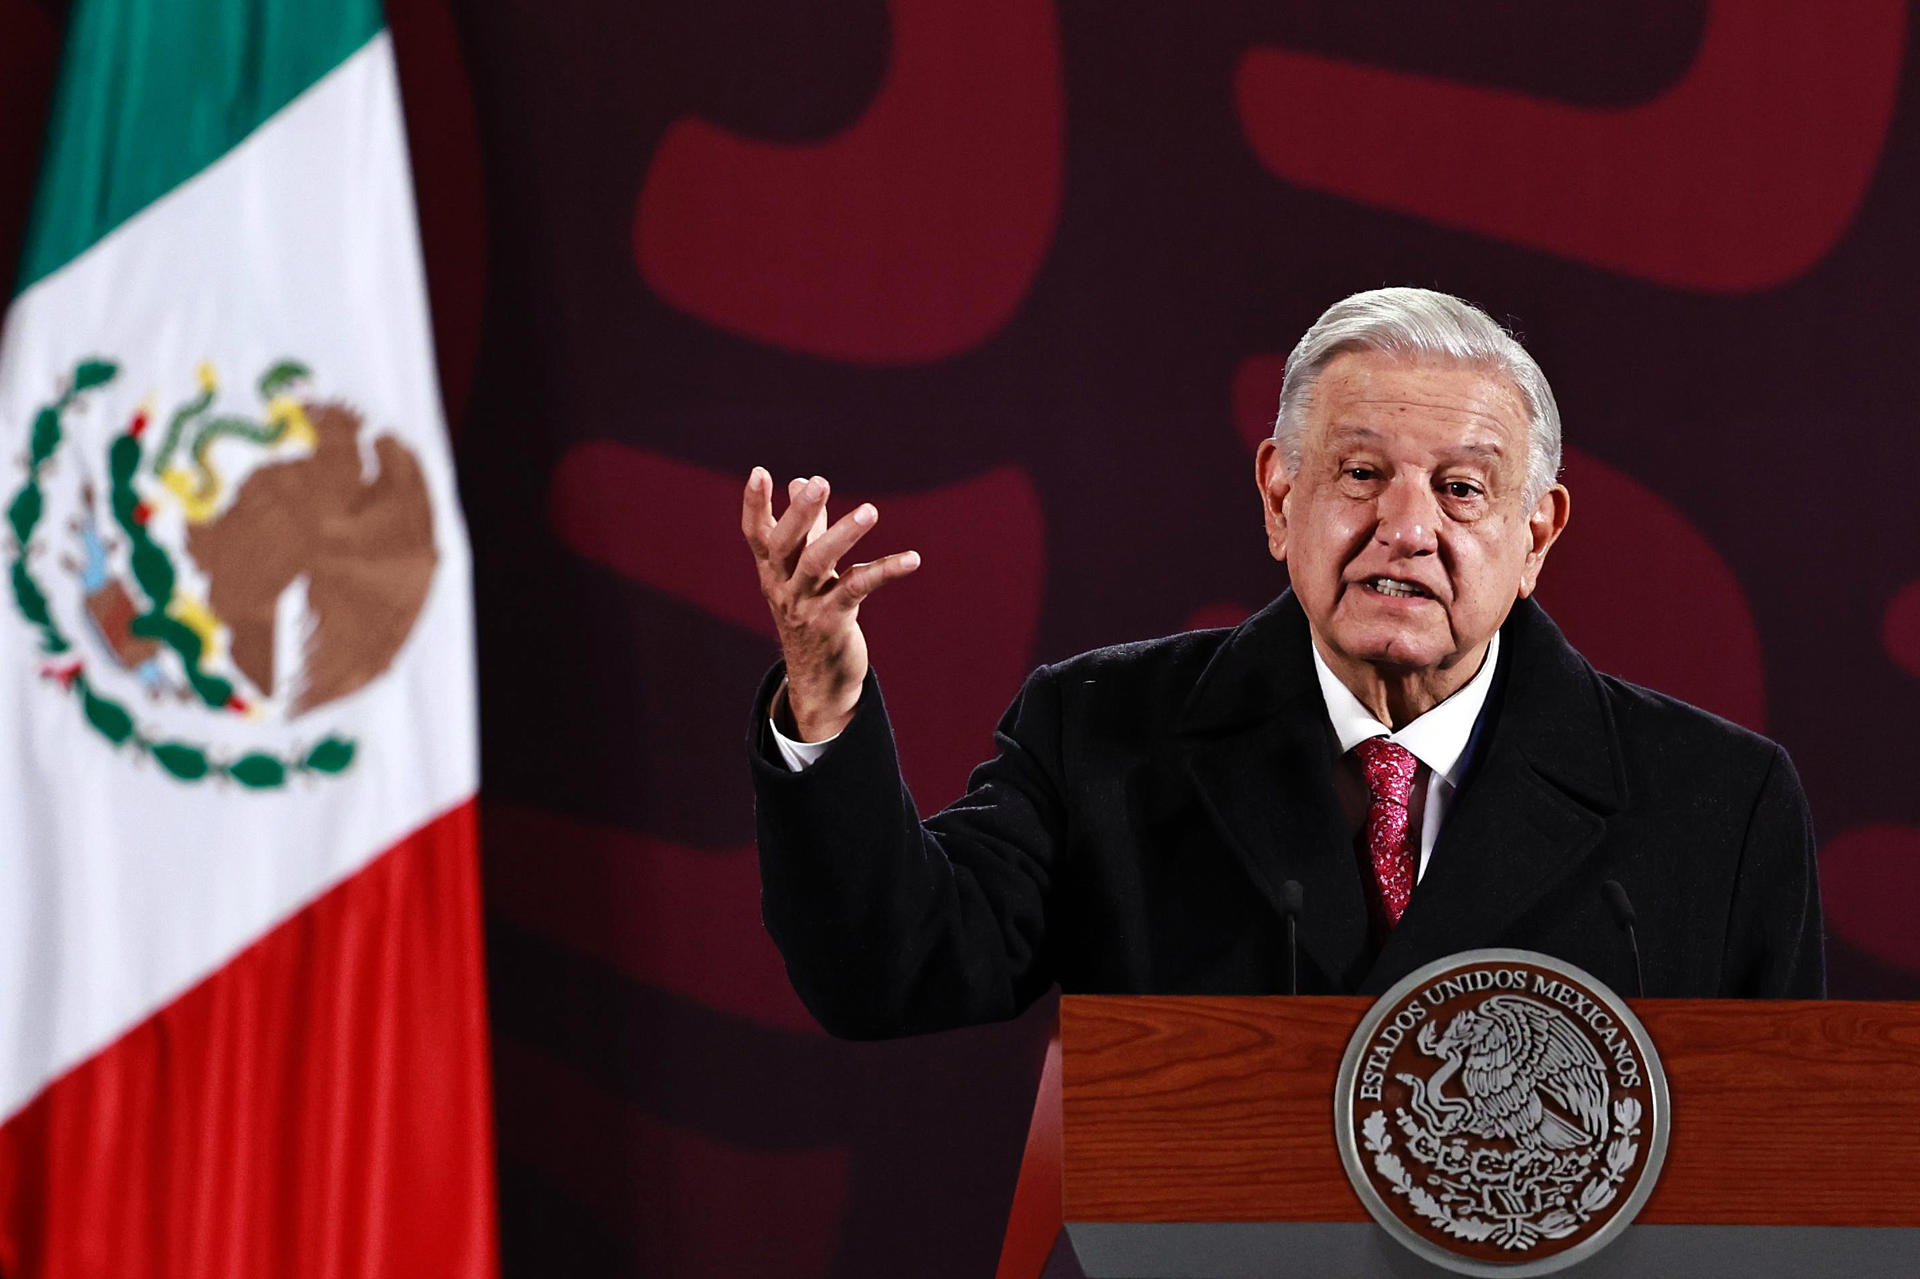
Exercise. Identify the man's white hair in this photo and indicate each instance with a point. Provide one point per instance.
(1417, 324)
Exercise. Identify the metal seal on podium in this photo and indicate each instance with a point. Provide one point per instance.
(1500, 1112)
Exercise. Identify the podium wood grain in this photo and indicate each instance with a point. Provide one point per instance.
(1218, 1109)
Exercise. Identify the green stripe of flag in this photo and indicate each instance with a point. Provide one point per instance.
(153, 91)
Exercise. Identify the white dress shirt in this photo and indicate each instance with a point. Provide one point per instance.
(1438, 739)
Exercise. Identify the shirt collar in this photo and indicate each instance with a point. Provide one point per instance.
(1437, 739)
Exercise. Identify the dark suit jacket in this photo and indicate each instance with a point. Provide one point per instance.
(1148, 802)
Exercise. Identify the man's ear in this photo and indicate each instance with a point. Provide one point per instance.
(1544, 527)
(1276, 484)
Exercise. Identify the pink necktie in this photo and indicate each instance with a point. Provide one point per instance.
(1389, 769)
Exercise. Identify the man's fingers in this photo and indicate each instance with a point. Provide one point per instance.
(756, 509)
(789, 535)
(825, 547)
(863, 580)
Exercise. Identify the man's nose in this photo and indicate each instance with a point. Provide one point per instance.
(1408, 518)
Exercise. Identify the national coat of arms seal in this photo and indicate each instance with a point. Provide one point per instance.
(1500, 1112)
(223, 563)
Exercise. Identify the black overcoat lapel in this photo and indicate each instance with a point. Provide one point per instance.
(1534, 804)
(1258, 751)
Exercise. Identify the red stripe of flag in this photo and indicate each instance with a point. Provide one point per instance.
(319, 1106)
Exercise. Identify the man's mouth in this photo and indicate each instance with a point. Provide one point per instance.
(1396, 589)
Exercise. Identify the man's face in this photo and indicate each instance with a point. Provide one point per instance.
(1406, 531)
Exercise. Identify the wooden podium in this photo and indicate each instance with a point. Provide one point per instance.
(1192, 1138)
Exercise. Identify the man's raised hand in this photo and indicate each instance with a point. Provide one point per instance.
(815, 607)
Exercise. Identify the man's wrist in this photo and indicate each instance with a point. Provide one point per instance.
(798, 753)
(810, 722)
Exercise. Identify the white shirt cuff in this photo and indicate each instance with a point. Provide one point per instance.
(799, 755)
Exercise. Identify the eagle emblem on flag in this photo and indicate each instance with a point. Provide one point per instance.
(262, 560)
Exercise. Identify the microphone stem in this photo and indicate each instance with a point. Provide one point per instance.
(1293, 957)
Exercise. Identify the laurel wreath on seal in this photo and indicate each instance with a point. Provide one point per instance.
(1594, 1196)
(154, 572)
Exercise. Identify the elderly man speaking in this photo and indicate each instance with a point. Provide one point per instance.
(1401, 752)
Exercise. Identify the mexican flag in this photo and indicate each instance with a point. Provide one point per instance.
(242, 1020)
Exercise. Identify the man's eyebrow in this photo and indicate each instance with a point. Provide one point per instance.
(1486, 449)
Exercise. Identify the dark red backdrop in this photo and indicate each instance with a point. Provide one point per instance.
(1023, 273)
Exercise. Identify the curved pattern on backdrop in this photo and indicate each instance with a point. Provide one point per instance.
(910, 236)
(1739, 177)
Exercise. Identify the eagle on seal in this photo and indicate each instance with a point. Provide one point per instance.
(1528, 1074)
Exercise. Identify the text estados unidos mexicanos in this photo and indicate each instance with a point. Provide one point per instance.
(1618, 1043)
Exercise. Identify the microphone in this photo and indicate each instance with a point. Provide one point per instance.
(1623, 915)
(1293, 902)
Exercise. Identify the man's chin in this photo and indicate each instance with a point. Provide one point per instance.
(1392, 653)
